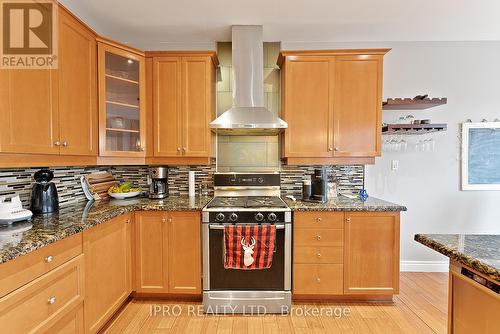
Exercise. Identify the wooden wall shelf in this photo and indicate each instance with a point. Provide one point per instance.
(413, 129)
(412, 104)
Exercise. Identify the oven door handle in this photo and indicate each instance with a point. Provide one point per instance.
(221, 227)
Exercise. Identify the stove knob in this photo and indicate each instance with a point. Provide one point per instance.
(233, 217)
(260, 180)
(259, 217)
(219, 217)
(272, 217)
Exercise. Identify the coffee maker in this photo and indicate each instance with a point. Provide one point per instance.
(44, 198)
(319, 186)
(159, 182)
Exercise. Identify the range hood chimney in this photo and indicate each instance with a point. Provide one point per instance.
(248, 116)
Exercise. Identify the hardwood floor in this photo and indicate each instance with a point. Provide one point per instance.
(421, 307)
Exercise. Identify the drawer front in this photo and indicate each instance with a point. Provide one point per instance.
(46, 300)
(318, 279)
(319, 219)
(71, 323)
(306, 254)
(318, 237)
(26, 268)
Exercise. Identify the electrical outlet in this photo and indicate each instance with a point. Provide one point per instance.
(394, 164)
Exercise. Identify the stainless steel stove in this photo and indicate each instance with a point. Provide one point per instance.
(246, 199)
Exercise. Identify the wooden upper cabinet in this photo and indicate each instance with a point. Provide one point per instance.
(307, 106)
(371, 253)
(357, 106)
(77, 87)
(197, 107)
(332, 102)
(167, 117)
(183, 104)
(28, 111)
(122, 101)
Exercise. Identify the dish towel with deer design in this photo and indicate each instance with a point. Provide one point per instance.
(249, 246)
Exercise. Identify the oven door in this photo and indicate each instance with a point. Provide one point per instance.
(217, 278)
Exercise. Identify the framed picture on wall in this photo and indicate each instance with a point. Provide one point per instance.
(481, 156)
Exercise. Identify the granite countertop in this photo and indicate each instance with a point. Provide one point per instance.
(46, 229)
(479, 252)
(343, 203)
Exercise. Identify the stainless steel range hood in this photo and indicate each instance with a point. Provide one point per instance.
(248, 116)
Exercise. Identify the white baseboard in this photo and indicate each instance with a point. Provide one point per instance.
(424, 266)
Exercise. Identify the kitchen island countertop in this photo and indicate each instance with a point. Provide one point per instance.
(477, 251)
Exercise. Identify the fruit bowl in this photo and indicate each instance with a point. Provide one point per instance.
(123, 191)
(124, 195)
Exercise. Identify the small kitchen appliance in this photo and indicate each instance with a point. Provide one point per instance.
(246, 200)
(44, 198)
(12, 211)
(159, 182)
(319, 186)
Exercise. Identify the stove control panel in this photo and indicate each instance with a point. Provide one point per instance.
(249, 217)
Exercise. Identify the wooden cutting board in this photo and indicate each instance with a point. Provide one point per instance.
(99, 183)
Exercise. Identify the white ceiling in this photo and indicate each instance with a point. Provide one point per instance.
(165, 24)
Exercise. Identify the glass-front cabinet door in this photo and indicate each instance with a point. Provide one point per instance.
(121, 102)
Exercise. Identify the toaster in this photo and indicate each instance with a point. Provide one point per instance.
(12, 211)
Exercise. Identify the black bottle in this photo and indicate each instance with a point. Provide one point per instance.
(44, 197)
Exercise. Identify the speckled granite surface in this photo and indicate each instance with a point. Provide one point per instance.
(44, 230)
(345, 204)
(479, 252)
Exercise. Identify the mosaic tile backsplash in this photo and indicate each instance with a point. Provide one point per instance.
(18, 181)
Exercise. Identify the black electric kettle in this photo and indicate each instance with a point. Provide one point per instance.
(44, 197)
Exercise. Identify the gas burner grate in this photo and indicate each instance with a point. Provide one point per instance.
(247, 202)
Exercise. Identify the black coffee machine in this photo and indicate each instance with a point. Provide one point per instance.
(319, 186)
(44, 197)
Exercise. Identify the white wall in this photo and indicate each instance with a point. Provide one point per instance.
(468, 73)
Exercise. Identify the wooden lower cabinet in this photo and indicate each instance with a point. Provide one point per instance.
(168, 252)
(472, 307)
(107, 250)
(151, 252)
(318, 279)
(371, 253)
(71, 323)
(44, 302)
(346, 253)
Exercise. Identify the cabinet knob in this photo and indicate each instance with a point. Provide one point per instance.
(319, 254)
(318, 280)
(127, 221)
(178, 149)
(142, 149)
(49, 259)
(163, 220)
(318, 219)
(169, 220)
(318, 237)
(184, 149)
(330, 149)
(51, 300)
(57, 143)
(336, 148)
(348, 219)
(64, 143)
